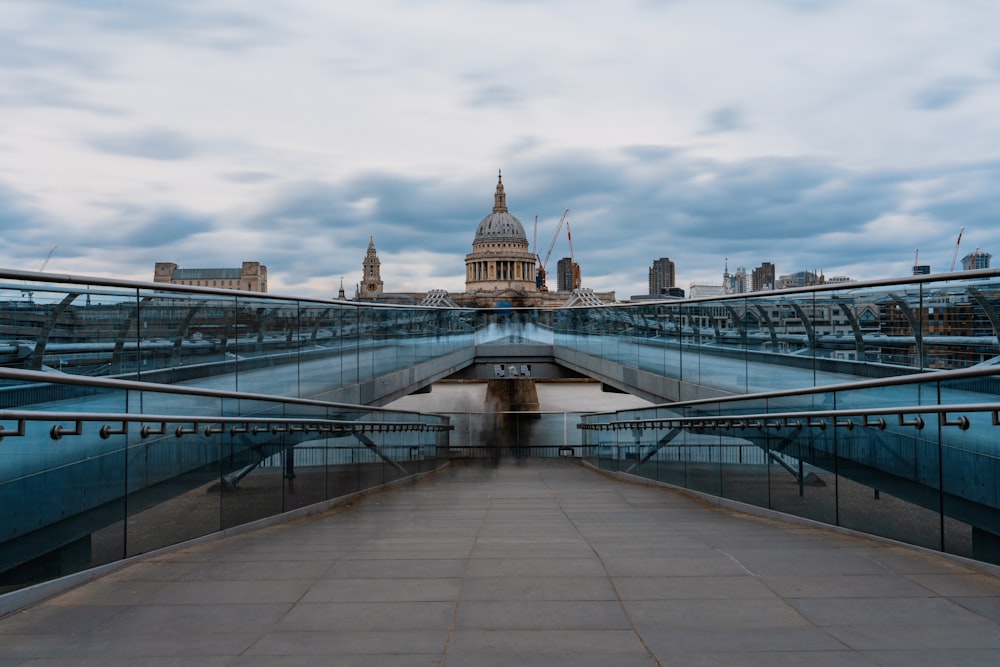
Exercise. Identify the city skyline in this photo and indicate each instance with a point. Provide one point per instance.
(817, 135)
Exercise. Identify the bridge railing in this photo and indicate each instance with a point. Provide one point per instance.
(117, 467)
(168, 334)
(66, 329)
(910, 458)
(867, 329)
(165, 333)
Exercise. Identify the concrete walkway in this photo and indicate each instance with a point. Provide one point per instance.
(540, 564)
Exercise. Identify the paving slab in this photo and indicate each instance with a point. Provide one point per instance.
(533, 563)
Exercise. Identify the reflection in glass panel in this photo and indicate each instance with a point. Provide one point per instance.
(971, 470)
(745, 468)
(175, 489)
(802, 481)
(888, 484)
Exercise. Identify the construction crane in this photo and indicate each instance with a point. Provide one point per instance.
(45, 262)
(47, 258)
(534, 241)
(540, 274)
(954, 258)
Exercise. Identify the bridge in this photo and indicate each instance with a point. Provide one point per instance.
(871, 406)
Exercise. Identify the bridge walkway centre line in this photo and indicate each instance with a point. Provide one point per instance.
(546, 562)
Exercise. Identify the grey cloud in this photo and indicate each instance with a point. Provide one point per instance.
(352, 66)
(495, 96)
(660, 203)
(162, 229)
(18, 216)
(969, 198)
(38, 91)
(308, 203)
(725, 119)
(139, 226)
(781, 196)
(249, 176)
(151, 143)
(810, 6)
(658, 4)
(524, 144)
(184, 21)
(645, 204)
(31, 234)
(647, 152)
(402, 213)
(943, 94)
(626, 209)
(17, 53)
(625, 212)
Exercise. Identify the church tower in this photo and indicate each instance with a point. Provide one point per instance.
(371, 283)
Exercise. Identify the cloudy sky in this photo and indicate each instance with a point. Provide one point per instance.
(833, 135)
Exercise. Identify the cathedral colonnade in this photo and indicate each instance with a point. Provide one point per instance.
(484, 270)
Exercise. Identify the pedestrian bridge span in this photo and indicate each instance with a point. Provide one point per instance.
(166, 383)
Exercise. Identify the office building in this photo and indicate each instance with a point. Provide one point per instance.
(762, 278)
(662, 276)
(567, 275)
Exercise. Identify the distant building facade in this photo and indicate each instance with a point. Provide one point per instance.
(662, 276)
(700, 291)
(762, 278)
(735, 283)
(800, 279)
(250, 277)
(567, 275)
(976, 260)
(371, 286)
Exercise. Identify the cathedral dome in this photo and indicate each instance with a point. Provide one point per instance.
(500, 260)
(500, 225)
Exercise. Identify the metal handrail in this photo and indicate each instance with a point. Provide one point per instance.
(71, 279)
(135, 385)
(977, 274)
(877, 383)
(809, 418)
(212, 425)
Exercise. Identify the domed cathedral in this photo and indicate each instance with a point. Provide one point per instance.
(500, 270)
(501, 263)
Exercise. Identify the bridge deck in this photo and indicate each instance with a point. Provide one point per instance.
(542, 563)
